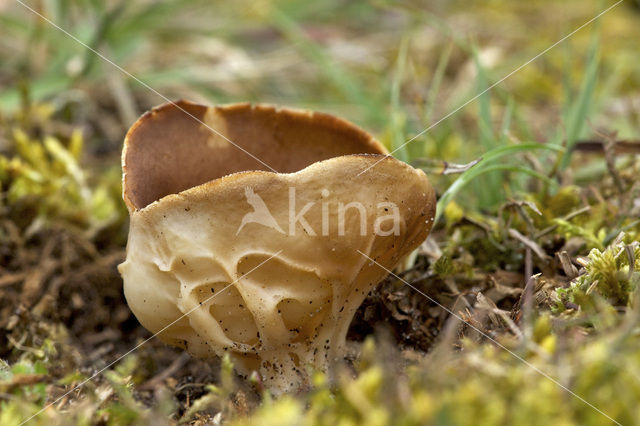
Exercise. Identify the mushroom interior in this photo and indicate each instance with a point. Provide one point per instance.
(169, 150)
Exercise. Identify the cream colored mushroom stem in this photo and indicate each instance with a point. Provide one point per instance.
(219, 219)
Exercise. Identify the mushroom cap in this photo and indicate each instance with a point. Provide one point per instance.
(296, 284)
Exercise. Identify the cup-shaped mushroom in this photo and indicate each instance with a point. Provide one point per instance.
(225, 255)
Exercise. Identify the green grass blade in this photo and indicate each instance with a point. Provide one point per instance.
(460, 183)
(485, 125)
(501, 151)
(580, 109)
(350, 87)
(506, 122)
(486, 167)
(436, 81)
(398, 147)
(488, 192)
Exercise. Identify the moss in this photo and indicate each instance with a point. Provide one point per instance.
(612, 274)
(42, 182)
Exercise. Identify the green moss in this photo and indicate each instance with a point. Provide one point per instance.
(42, 183)
(612, 274)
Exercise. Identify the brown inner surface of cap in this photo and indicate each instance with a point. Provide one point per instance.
(168, 151)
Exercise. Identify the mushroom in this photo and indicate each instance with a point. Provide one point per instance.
(266, 265)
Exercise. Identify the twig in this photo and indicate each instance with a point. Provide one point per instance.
(567, 265)
(529, 244)
(620, 146)
(566, 218)
(12, 278)
(176, 365)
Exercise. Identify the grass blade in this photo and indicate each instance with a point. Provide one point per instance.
(580, 109)
(339, 77)
(436, 81)
(398, 147)
(485, 167)
(488, 192)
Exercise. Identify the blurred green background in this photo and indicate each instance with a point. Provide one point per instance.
(394, 68)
